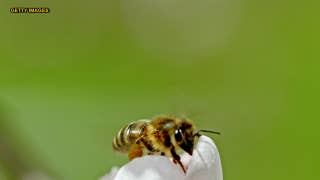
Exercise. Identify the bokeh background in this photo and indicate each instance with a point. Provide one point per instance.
(70, 79)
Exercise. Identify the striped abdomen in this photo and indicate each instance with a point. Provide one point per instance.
(128, 135)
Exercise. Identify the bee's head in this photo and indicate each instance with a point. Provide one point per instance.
(183, 135)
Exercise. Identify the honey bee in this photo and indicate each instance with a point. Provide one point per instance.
(163, 135)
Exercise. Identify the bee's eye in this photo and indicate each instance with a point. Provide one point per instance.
(178, 135)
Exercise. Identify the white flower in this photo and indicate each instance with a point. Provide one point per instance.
(204, 164)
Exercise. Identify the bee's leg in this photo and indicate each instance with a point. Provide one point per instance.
(153, 152)
(135, 151)
(148, 145)
(156, 152)
(176, 158)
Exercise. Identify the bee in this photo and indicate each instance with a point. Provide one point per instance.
(163, 135)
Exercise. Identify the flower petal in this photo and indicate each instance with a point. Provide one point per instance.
(185, 160)
(205, 163)
(111, 175)
(150, 167)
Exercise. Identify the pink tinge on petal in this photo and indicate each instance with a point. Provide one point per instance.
(205, 163)
(150, 168)
(185, 160)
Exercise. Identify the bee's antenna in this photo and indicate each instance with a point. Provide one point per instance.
(208, 131)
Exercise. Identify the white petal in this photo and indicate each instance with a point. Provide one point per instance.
(205, 163)
(185, 160)
(150, 168)
(111, 175)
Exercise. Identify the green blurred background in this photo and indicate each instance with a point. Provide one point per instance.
(70, 79)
